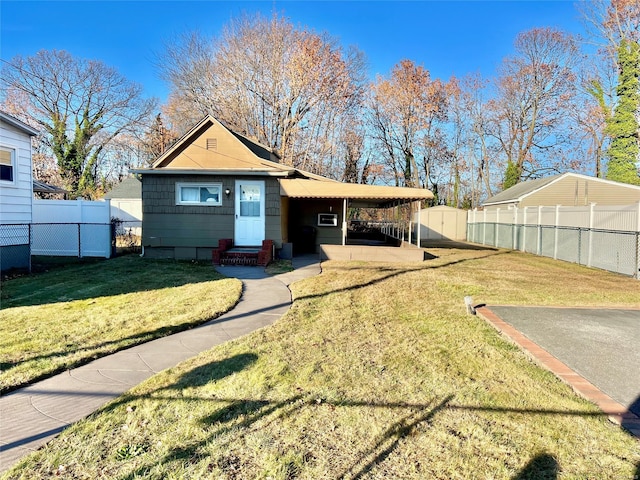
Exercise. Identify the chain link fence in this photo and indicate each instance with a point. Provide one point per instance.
(18, 242)
(127, 235)
(616, 249)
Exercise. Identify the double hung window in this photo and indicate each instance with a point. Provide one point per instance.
(7, 164)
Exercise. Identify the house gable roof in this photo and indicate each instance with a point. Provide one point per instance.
(130, 187)
(210, 146)
(14, 122)
(522, 190)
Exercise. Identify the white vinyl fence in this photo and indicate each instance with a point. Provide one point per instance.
(71, 228)
(601, 236)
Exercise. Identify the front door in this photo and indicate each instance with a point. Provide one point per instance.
(249, 226)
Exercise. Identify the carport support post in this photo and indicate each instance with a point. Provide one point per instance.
(344, 221)
(420, 224)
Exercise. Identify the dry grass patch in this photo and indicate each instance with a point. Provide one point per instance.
(67, 316)
(376, 372)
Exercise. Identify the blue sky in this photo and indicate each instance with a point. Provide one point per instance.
(446, 37)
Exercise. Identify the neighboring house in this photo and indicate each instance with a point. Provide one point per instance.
(126, 204)
(16, 192)
(48, 190)
(567, 189)
(214, 184)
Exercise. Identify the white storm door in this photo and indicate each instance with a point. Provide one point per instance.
(249, 224)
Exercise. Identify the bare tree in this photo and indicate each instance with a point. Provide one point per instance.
(610, 21)
(405, 109)
(81, 105)
(282, 86)
(534, 89)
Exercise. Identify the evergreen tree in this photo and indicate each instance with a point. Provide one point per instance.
(623, 127)
(511, 175)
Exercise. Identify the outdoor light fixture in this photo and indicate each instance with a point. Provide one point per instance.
(227, 192)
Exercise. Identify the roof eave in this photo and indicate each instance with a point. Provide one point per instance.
(14, 122)
(222, 172)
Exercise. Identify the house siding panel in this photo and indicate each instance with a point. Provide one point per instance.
(16, 196)
(572, 191)
(230, 151)
(192, 231)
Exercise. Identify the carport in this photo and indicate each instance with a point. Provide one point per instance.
(326, 206)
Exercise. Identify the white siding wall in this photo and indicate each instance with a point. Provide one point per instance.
(16, 196)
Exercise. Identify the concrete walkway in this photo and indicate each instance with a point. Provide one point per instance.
(33, 415)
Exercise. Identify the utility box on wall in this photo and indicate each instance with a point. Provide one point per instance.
(327, 220)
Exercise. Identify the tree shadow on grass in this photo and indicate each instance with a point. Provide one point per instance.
(94, 351)
(541, 467)
(238, 416)
(391, 272)
(390, 439)
(214, 371)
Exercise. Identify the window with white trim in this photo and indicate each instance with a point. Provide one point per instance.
(209, 194)
(7, 164)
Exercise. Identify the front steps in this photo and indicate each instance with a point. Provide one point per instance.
(227, 254)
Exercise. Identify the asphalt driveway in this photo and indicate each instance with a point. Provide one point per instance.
(602, 345)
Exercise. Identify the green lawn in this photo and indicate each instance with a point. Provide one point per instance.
(67, 316)
(376, 372)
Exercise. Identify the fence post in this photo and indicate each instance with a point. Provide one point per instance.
(555, 233)
(496, 229)
(30, 240)
(79, 241)
(539, 246)
(484, 230)
(637, 274)
(591, 220)
(514, 228)
(524, 230)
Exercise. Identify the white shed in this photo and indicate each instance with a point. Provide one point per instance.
(442, 223)
(16, 192)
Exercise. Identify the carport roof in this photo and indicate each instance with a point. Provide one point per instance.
(372, 195)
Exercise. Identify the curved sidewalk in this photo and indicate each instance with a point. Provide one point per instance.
(31, 416)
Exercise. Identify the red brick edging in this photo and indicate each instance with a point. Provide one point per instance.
(616, 412)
